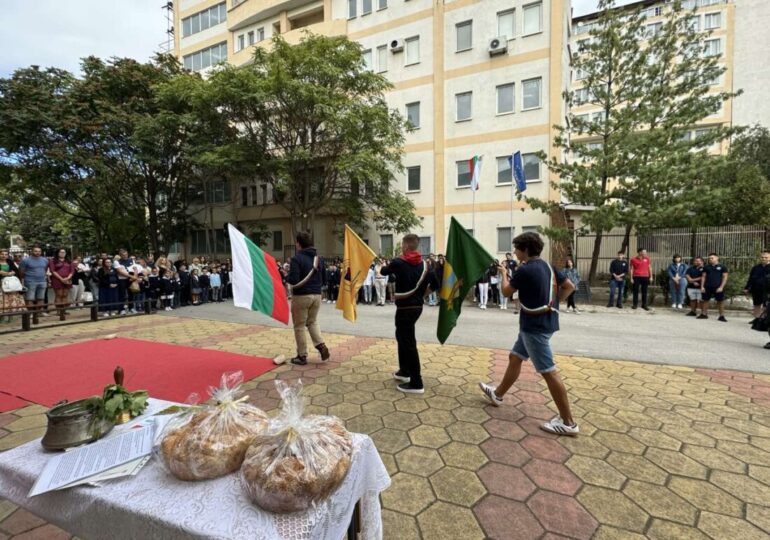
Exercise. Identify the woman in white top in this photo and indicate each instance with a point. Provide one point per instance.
(368, 283)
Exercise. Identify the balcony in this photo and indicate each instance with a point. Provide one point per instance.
(336, 27)
(245, 12)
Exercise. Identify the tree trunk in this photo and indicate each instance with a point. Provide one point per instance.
(595, 255)
(693, 242)
(626, 238)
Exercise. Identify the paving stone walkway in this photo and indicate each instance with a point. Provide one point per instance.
(664, 452)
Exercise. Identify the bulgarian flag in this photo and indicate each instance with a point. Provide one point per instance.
(257, 284)
(475, 169)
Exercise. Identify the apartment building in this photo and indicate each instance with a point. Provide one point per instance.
(474, 78)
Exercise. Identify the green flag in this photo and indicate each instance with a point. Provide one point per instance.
(465, 262)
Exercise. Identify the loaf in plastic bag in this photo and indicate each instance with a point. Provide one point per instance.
(209, 441)
(299, 460)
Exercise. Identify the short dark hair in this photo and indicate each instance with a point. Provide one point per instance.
(676, 256)
(714, 254)
(621, 252)
(641, 249)
(529, 242)
(412, 241)
(304, 239)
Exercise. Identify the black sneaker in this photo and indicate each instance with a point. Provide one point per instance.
(767, 345)
(702, 316)
(722, 318)
(609, 305)
(299, 360)
(324, 350)
(691, 314)
(619, 306)
(752, 321)
(401, 377)
(407, 389)
(633, 307)
(645, 308)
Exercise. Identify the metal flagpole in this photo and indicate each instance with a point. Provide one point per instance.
(473, 219)
(513, 181)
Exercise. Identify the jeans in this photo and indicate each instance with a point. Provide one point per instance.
(641, 283)
(677, 290)
(215, 294)
(304, 314)
(35, 290)
(408, 356)
(108, 296)
(483, 294)
(537, 348)
(122, 292)
(368, 294)
(619, 286)
(138, 299)
(432, 299)
(204, 295)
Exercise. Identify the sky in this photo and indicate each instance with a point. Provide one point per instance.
(59, 32)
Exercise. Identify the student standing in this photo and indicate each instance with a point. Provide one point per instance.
(676, 281)
(640, 277)
(715, 277)
(540, 289)
(755, 285)
(412, 279)
(368, 284)
(618, 271)
(694, 278)
(574, 276)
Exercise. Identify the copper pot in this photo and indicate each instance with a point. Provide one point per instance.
(72, 424)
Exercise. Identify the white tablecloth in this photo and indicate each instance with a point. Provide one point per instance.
(155, 505)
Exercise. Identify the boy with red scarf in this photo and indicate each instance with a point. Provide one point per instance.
(413, 277)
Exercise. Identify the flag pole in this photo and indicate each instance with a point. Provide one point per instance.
(473, 219)
(512, 195)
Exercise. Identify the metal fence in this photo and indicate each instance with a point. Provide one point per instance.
(738, 247)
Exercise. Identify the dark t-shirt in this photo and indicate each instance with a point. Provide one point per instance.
(533, 281)
(714, 273)
(618, 267)
(695, 273)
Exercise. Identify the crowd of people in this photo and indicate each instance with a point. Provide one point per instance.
(118, 284)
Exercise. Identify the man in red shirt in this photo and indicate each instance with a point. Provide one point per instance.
(640, 277)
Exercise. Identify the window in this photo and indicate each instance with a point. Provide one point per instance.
(244, 196)
(506, 24)
(412, 179)
(505, 98)
(253, 190)
(206, 57)
(251, 37)
(261, 34)
(531, 92)
(412, 50)
(352, 9)
(712, 20)
(218, 191)
(188, 64)
(413, 114)
(531, 167)
(580, 74)
(533, 19)
(598, 117)
(582, 44)
(241, 42)
(186, 27)
(464, 34)
(425, 245)
(277, 240)
(386, 244)
(196, 24)
(263, 192)
(366, 7)
(367, 55)
(463, 106)
(382, 58)
(204, 20)
(654, 29)
(382, 4)
(463, 173)
(713, 47)
(504, 175)
(504, 239)
(693, 23)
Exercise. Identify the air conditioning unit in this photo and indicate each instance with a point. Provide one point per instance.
(498, 45)
(396, 46)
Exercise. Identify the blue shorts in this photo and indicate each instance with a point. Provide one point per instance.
(535, 347)
(35, 290)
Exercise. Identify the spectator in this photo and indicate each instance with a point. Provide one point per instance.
(93, 278)
(195, 287)
(432, 296)
(714, 280)
(574, 276)
(224, 274)
(694, 277)
(640, 277)
(676, 281)
(483, 285)
(10, 301)
(138, 285)
(108, 288)
(184, 286)
(61, 280)
(618, 271)
(204, 282)
(511, 264)
(153, 285)
(166, 287)
(79, 281)
(196, 265)
(333, 283)
(368, 284)
(216, 285)
(755, 286)
(121, 264)
(494, 283)
(380, 282)
(767, 302)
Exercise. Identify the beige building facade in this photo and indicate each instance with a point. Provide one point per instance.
(474, 77)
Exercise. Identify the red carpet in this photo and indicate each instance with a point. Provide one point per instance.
(77, 371)
(10, 403)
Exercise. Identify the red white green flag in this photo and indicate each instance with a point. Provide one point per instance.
(475, 169)
(257, 283)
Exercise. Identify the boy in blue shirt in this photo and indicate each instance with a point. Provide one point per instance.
(540, 288)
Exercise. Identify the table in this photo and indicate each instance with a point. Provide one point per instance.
(156, 505)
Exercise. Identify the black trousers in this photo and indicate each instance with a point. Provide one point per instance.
(408, 357)
(571, 301)
(641, 283)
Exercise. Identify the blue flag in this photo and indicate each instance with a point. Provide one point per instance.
(517, 170)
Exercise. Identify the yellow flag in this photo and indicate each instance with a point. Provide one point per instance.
(357, 258)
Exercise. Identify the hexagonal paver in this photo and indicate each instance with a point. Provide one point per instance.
(358, 397)
(377, 407)
(497, 516)
(457, 486)
(543, 448)
(676, 463)
(506, 481)
(570, 520)
(345, 410)
(660, 502)
(721, 527)
(613, 508)
(408, 494)
(552, 476)
(444, 520)
(605, 532)
(714, 459)
(443, 402)
(745, 452)
(390, 440)
(326, 400)
(430, 436)
(637, 467)
(411, 405)
(705, 496)
(395, 525)
(655, 438)
(606, 422)
(596, 471)
(688, 435)
(507, 452)
(418, 460)
(666, 530)
(504, 429)
(742, 487)
(389, 394)
(758, 515)
(437, 417)
(475, 415)
(467, 432)
(364, 423)
(619, 442)
(464, 456)
(585, 446)
(401, 420)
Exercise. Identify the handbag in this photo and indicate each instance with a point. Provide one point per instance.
(761, 323)
(134, 287)
(88, 297)
(11, 284)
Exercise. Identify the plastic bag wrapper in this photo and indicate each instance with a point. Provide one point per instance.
(299, 460)
(209, 441)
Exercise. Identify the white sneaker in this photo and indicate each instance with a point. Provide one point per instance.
(105, 314)
(679, 306)
(489, 393)
(122, 312)
(557, 426)
(673, 306)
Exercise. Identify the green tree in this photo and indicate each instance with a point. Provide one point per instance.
(313, 123)
(649, 86)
